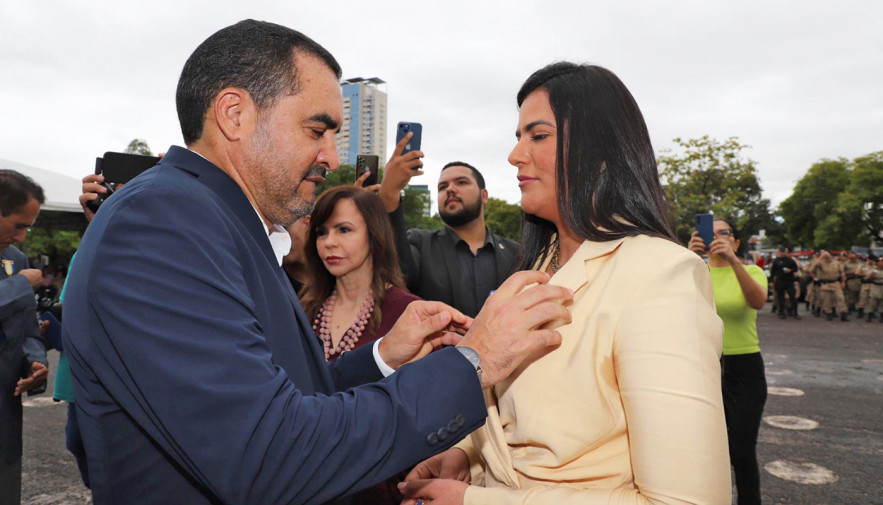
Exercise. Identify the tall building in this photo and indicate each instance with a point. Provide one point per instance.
(364, 120)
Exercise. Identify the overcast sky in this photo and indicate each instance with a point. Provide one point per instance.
(798, 81)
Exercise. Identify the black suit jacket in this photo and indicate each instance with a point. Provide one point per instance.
(198, 378)
(429, 260)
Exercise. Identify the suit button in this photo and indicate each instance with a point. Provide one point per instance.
(432, 439)
(442, 434)
(453, 426)
(461, 421)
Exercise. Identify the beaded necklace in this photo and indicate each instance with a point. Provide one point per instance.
(322, 326)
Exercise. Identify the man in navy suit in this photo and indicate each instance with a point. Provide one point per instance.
(23, 365)
(196, 374)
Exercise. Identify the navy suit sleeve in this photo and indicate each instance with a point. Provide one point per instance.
(355, 368)
(16, 295)
(17, 298)
(178, 346)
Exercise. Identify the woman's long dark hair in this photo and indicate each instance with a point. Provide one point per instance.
(608, 185)
(384, 259)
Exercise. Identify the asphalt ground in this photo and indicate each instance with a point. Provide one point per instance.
(825, 378)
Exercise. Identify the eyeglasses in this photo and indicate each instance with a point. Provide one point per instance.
(724, 233)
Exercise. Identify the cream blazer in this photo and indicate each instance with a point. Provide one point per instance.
(628, 410)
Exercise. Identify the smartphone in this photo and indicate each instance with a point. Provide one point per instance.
(705, 227)
(367, 163)
(119, 168)
(414, 144)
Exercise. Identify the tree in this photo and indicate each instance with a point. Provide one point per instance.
(838, 203)
(139, 146)
(866, 191)
(712, 176)
(503, 218)
(812, 214)
(414, 204)
(58, 245)
(345, 175)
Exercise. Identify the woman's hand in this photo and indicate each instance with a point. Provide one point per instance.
(723, 248)
(451, 464)
(697, 245)
(433, 492)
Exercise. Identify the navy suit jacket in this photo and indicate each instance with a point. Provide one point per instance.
(20, 345)
(198, 378)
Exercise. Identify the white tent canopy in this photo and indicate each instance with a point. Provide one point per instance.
(62, 191)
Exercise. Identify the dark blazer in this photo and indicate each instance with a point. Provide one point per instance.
(198, 378)
(429, 260)
(20, 345)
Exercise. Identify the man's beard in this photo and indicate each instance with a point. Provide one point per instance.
(466, 214)
(302, 208)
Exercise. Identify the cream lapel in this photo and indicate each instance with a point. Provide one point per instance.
(575, 275)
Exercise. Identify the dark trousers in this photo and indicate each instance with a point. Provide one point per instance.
(10, 482)
(744, 392)
(74, 442)
(781, 289)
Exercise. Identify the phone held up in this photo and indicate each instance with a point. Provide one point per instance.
(705, 227)
(118, 168)
(403, 129)
(367, 163)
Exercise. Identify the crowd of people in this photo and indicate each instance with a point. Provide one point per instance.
(230, 338)
(833, 285)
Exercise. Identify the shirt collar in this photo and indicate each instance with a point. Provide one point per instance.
(457, 240)
(280, 240)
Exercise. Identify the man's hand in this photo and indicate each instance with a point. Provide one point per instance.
(451, 464)
(398, 172)
(422, 327)
(507, 330)
(433, 492)
(35, 379)
(33, 275)
(92, 187)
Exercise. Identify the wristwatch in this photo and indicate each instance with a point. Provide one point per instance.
(472, 356)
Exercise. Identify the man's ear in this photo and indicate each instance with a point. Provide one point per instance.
(234, 112)
(484, 196)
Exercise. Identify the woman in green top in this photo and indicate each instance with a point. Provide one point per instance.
(739, 292)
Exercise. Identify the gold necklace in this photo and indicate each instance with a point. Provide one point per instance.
(553, 265)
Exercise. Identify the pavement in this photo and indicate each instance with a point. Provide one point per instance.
(821, 442)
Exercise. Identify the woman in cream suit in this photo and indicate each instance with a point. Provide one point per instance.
(628, 409)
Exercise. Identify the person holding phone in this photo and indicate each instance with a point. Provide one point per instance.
(465, 261)
(628, 409)
(188, 346)
(739, 292)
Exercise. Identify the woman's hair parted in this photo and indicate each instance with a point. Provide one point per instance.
(381, 242)
(607, 183)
